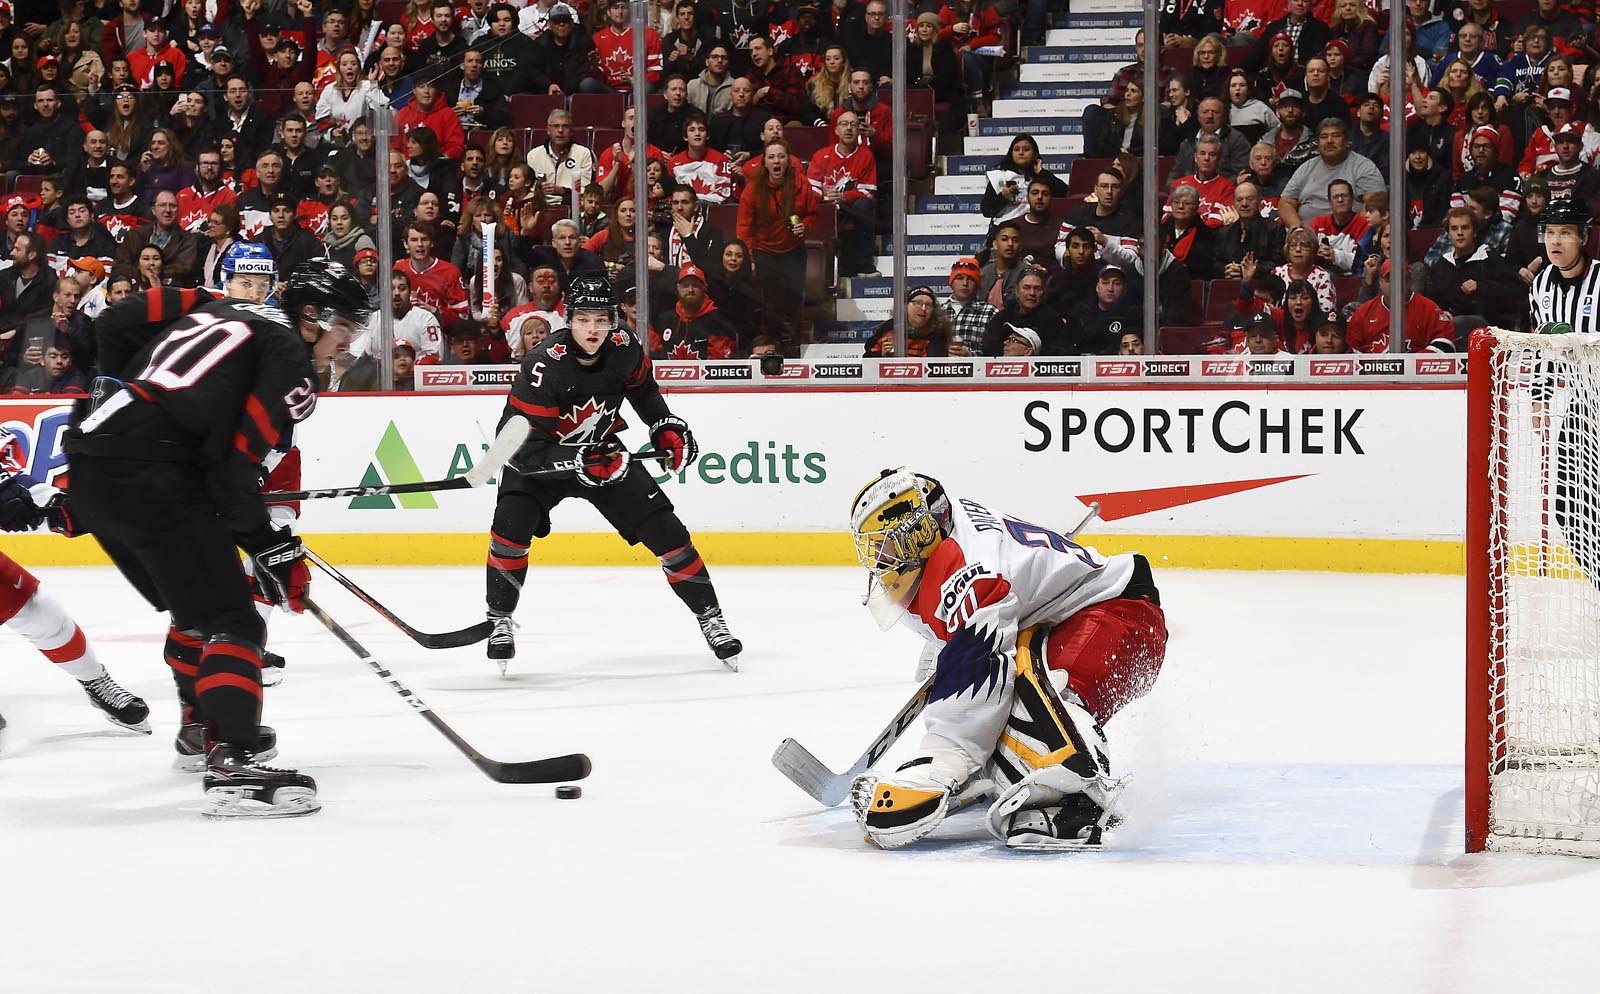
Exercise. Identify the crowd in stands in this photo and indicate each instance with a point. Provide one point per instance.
(140, 140)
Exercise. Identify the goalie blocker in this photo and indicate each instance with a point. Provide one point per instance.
(1041, 641)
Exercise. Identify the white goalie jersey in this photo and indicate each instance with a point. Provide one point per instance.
(991, 578)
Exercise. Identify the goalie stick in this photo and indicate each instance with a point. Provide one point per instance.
(556, 769)
(808, 773)
(470, 635)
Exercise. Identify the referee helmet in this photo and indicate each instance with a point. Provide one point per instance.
(1562, 212)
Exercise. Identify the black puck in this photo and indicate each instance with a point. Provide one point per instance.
(568, 792)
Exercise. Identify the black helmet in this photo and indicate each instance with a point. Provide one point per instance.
(320, 291)
(1564, 212)
(589, 292)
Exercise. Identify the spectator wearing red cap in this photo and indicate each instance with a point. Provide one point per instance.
(1488, 170)
(927, 329)
(969, 313)
(1427, 327)
(405, 361)
(1309, 35)
(694, 328)
(1541, 150)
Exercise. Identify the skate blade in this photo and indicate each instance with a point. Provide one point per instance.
(235, 802)
(1045, 843)
(142, 728)
(271, 677)
(732, 663)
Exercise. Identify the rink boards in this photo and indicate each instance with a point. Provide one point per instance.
(1238, 476)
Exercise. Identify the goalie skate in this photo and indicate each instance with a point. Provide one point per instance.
(119, 706)
(719, 639)
(237, 785)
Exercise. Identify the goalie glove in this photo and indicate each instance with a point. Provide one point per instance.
(281, 571)
(18, 512)
(671, 435)
(602, 465)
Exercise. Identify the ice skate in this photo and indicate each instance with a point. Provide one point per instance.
(237, 785)
(120, 707)
(271, 669)
(502, 640)
(721, 641)
(191, 745)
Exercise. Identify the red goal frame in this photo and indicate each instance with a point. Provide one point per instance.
(1485, 594)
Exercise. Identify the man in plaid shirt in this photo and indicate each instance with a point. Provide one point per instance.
(969, 313)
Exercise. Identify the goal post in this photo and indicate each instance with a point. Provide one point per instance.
(1532, 773)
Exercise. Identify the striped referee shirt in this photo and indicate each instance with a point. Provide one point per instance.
(1554, 298)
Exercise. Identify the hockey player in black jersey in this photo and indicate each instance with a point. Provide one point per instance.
(166, 473)
(571, 387)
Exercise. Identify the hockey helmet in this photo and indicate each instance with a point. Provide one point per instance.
(249, 258)
(897, 520)
(319, 291)
(1563, 212)
(590, 292)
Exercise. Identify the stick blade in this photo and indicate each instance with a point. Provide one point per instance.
(505, 445)
(453, 640)
(806, 771)
(557, 769)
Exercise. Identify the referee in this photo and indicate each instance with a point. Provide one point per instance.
(1564, 298)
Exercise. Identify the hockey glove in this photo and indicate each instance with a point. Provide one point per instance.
(281, 571)
(672, 436)
(59, 517)
(601, 465)
(18, 512)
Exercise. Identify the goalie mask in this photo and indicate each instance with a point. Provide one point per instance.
(897, 521)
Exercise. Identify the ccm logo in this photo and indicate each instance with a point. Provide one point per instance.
(677, 372)
(446, 378)
(1006, 369)
(1436, 367)
(1222, 367)
(900, 370)
(1333, 367)
(1117, 367)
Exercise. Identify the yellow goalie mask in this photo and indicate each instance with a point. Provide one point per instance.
(897, 521)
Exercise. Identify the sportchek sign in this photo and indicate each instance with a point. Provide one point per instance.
(1230, 450)
(1119, 370)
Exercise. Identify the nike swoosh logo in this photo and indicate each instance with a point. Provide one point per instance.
(1129, 503)
(18, 585)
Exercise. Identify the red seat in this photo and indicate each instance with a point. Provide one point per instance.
(920, 128)
(1186, 339)
(820, 256)
(1419, 241)
(1222, 299)
(26, 184)
(547, 218)
(806, 142)
(1346, 289)
(1084, 173)
(1177, 59)
(598, 110)
(725, 217)
(532, 110)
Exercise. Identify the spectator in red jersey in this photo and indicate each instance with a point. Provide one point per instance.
(435, 284)
(1214, 190)
(427, 110)
(277, 60)
(702, 168)
(845, 175)
(157, 49)
(196, 201)
(927, 329)
(612, 71)
(1340, 232)
(776, 211)
(1427, 327)
(694, 328)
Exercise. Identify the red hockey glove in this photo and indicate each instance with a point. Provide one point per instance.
(672, 436)
(601, 465)
(281, 571)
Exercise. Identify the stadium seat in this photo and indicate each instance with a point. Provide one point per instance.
(1186, 339)
(1419, 241)
(598, 110)
(1346, 289)
(532, 110)
(1173, 60)
(806, 142)
(26, 184)
(920, 129)
(1084, 173)
(726, 219)
(1222, 297)
(548, 217)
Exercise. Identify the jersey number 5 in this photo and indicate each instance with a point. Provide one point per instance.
(185, 356)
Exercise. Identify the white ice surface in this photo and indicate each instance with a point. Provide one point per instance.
(1295, 811)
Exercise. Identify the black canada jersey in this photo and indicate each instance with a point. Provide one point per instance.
(570, 404)
(228, 375)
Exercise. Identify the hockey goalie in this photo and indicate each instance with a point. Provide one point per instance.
(1040, 641)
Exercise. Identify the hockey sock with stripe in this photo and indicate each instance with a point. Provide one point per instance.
(229, 689)
(506, 569)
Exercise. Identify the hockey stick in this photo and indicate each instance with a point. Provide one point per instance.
(808, 773)
(504, 446)
(556, 769)
(470, 635)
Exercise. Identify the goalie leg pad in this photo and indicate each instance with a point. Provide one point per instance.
(904, 806)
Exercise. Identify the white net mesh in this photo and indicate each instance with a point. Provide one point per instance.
(1544, 485)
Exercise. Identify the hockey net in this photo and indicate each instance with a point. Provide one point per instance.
(1533, 551)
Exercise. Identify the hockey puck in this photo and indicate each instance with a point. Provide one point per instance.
(569, 792)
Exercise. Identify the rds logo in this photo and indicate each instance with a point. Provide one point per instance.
(752, 465)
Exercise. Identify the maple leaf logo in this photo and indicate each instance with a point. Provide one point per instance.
(586, 423)
(558, 351)
(683, 350)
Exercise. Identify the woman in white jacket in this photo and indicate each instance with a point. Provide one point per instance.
(348, 98)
